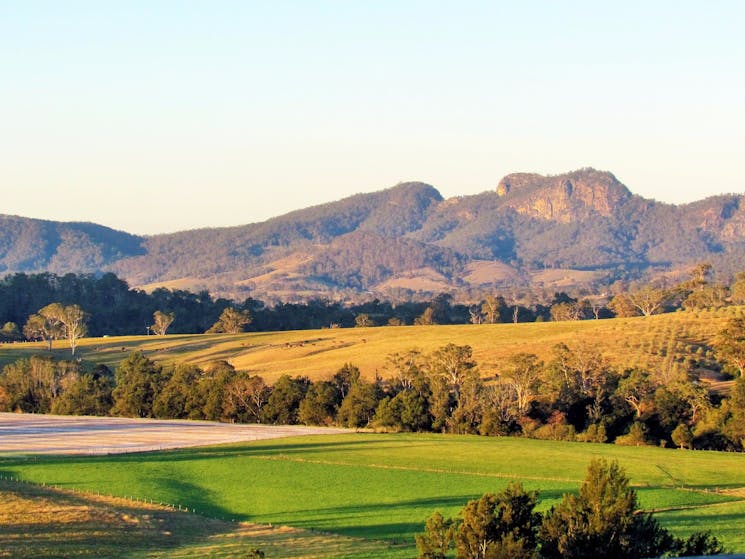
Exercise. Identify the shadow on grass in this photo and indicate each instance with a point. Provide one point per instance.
(247, 449)
(373, 520)
(54, 523)
(43, 522)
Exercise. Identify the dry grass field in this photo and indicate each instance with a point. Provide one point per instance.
(655, 343)
(42, 522)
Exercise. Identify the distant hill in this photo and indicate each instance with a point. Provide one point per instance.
(553, 231)
(34, 245)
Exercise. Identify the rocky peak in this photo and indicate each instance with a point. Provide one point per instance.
(565, 198)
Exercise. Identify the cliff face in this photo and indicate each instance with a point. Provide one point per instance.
(722, 217)
(564, 198)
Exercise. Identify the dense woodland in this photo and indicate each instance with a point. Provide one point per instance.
(574, 396)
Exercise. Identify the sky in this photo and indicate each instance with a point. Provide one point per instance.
(158, 116)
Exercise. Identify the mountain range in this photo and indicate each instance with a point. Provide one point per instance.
(561, 231)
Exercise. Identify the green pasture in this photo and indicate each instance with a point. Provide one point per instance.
(382, 487)
(649, 342)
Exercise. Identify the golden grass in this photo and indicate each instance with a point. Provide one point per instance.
(655, 343)
(564, 277)
(482, 272)
(43, 522)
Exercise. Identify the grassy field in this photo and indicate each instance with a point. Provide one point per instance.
(382, 487)
(42, 522)
(651, 342)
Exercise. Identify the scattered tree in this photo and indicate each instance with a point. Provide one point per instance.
(231, 321)
(682, 436)
(10, 332)
(363, 320)
(646, 300)
(730, 344)
(161, 322)
(427, 318)
(45, 325)
(73, 323)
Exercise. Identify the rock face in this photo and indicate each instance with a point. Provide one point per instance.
(564, 198)
(721, 217)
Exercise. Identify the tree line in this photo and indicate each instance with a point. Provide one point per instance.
(111, 307)
(576, 395)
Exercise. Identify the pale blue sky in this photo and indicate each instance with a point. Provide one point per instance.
(157, 116)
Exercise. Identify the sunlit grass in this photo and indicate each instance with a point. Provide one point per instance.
(382, 487)
(41, 522)
(652, 342)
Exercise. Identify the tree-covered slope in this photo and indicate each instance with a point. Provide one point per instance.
(585, 219)
(37, 245)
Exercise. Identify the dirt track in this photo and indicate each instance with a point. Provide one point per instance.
(54, 434)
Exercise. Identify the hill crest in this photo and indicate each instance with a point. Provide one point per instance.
(585, 225)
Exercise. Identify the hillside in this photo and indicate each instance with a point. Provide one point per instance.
(407, 239)
(655, 343)
(38, 245)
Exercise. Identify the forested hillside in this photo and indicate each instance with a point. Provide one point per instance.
(408, 240)
(36, 245)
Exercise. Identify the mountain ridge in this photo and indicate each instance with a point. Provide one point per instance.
(581, 220)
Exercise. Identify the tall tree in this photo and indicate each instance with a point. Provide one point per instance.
(284, 401)
(180, 397)
(451, 363)
(427, 318)
(521, 373)
(602, 521)
(245, 397)
(320, 404)
(492, 307)
(730, 344)
(138, 382)
(737, 289)
(33, 384)
(45, 324)
(231, 321)
(73, 321)
(499, 526)
(363, 320)
(437, 538)
(637, 389)
(162, 321)
(88, 394)
(645, 300)
(359, 405)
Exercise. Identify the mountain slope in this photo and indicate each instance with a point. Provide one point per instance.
(36, 245)
(582, 220)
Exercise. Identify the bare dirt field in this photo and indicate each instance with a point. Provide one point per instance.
(54, 434)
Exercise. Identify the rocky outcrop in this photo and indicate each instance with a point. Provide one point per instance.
(563, 198)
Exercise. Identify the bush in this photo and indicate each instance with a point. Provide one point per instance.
(602, 521)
